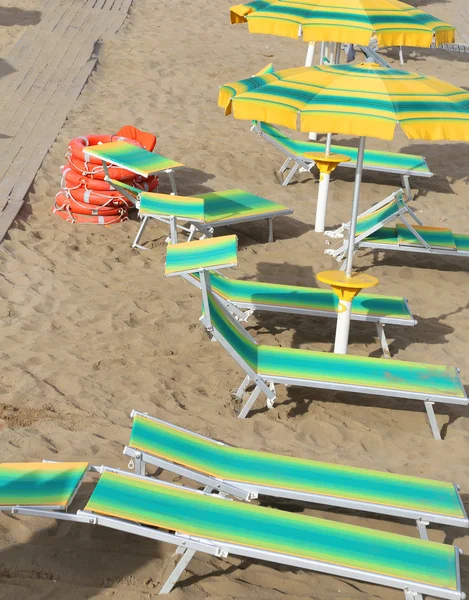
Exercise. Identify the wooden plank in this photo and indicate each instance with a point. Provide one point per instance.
(45, 106)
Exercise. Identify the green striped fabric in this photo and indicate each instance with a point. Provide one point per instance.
(388, 211)
(179, 509)
(462, 242)
(186, 207)
(375, 159)
(327, 368)
(40, 484)
(203, 254)
(238, 205)
(133, 158)
(309, 476)
(437, 237)
(385, 235)
(303, 298)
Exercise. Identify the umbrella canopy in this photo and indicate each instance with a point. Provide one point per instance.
(361, 100)
(353, 22)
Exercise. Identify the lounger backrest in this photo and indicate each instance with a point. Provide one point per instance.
(235, 336)
(42, 484)
(374, 490)
(184, 207)
(372, 221)
(131, 157)
(234, 524)
(212, 253)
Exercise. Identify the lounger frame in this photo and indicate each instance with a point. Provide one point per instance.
(237, 308)
(360, 240)
(266, 382)
(248, 491)
(187, 545)
(306, 164)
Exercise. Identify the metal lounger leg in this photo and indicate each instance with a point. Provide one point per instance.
(139, 234)
(177, 571)
(382, 340)
(422, 528)
(284, 167)
(406, 184)
(271, 229)
(140, 465)
(172, 182)
(173, 230)
(242, 388)
(432, 420)
(193, 230)
(249, 403)
(292, 172)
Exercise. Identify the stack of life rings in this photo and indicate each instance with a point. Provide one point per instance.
(84, 196)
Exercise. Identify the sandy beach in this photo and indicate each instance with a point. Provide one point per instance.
(91, 329)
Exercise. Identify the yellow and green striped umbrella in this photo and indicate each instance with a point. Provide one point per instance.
(346, 21)
(361, 100)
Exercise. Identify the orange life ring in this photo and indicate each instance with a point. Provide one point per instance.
(91, 197)
(73, 217)
(97, 171)
(72, 180)
(78, 144)
(64, 202)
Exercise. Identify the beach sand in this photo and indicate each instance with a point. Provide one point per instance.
(91, 328)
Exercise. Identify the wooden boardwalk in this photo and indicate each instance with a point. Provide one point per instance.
(50, 65)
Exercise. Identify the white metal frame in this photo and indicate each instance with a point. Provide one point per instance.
(360, 241)
(249, 491)
(265, 382)
(306, 164)
(236, 307)
(187, 545)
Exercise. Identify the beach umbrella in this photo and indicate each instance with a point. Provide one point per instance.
(393, 23)
(360, 100)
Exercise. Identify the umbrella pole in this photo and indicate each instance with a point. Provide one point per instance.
(310, 54)
(355, 205)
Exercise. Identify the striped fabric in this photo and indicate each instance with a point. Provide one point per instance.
(363, 99)
(40, 484)
(462, 241)
(303, 298)
(353, 22)
(179, 509)
(309, 476)
(388, 211)
(387, 375)
(437, 237)
(384, 235)
(135, 159)
(204, 254)
(185, 207)
(232, 205)
(374, 159)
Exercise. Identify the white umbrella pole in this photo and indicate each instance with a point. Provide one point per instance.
(310, 54)
(343, 327)
(356, 201)
(323, 191)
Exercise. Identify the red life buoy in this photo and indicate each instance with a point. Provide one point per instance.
(64, 202)
(97, 171)
(73, 180)
(78, 144)
(73, 217)
(97, 198)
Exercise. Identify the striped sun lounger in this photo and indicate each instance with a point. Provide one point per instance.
(247, 474)
(299, 152)
(135, 159)
(267, 365)
(204, 212)
(372, 232)
(195, 521)
(243, 298)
